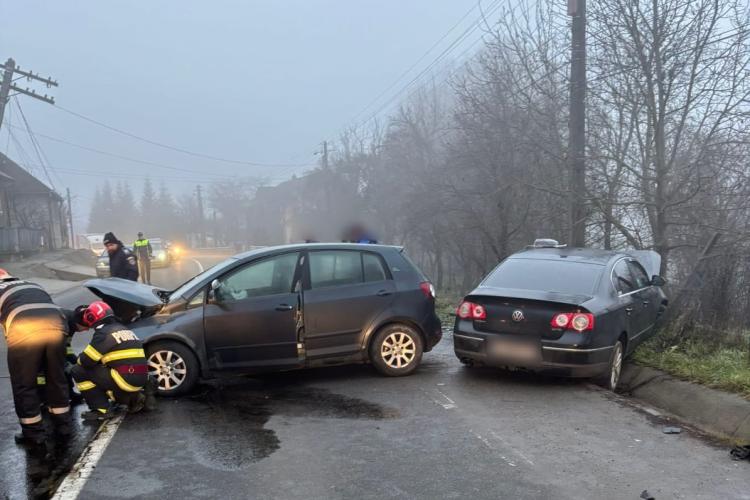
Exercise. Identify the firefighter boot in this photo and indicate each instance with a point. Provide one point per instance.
(137, 402)
(63, 425)
(150, 391)
(31, 435)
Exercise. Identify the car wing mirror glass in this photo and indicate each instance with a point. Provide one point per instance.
(657, 280)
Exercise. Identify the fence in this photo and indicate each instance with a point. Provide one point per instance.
(14, 240)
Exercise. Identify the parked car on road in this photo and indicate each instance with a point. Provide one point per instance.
(102, 263)
(160, 255)
(567, 311)
(283, 308)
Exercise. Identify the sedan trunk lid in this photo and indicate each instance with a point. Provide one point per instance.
(526, 313)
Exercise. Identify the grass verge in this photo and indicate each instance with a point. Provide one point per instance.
(726, 368)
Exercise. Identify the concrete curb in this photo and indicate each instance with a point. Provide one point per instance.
(67, 272)
(720, 414)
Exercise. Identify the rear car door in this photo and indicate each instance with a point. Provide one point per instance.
(345, 292)
(647, 296)
(251, 317)
(628, 303)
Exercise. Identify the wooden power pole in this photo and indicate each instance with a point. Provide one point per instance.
(577, 124)
(9, 71)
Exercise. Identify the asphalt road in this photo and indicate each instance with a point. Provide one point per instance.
(26, 475)
(445, 432)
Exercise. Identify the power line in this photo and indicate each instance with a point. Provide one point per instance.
(128, 158)
(174, 148)
(416, 63)
(494, 6)
(36, 146)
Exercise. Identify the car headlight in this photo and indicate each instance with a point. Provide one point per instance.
(161, 255)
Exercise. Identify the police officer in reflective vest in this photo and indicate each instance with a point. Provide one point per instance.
(112, 367)
(143, 252)
(35, 333)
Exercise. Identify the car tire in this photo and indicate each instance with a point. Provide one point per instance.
(611, 377)
(174, 367)
(396, 350)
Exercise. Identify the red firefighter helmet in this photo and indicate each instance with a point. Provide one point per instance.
(96, 312)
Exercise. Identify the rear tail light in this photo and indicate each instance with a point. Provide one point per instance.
(428, 289)
(469, 310)
(579, 322)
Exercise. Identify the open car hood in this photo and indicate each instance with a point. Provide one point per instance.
(649, 259)
(128, 299)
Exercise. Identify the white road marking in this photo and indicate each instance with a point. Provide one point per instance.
(514, 450)
(200, 266)
(489, 445)
(76, 479)
(450, 403)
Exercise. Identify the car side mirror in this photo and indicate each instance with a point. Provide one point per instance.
(657, 280)
(215, 285)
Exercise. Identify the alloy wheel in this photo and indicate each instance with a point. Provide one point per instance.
(169, 369)
(614, 374)
(398, 350)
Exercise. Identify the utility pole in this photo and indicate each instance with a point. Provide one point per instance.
(201, 225)
(324, 155)
(577, 123)
(70, 220)
(10, 70)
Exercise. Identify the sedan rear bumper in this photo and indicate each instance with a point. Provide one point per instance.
(556, 358)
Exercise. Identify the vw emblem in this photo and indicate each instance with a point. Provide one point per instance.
(518, 316)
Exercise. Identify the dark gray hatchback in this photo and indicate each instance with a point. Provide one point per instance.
(283, 308)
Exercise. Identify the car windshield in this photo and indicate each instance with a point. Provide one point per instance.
(547, 275)
(183, 289)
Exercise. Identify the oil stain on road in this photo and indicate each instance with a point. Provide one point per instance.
(226, 424)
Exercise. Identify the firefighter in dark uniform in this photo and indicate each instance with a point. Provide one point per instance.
(122, 263)
(112, 367)
(74, 320)
(35, 333)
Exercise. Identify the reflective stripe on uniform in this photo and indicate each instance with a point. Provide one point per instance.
(69, 351)
(41, 380)
(140, 243)
(31, 420)
(85, 385)
(60, 410)
(123, 354)
(10, 292)
(92, 353)
(111, 395)
(121, 382)
(23, 308)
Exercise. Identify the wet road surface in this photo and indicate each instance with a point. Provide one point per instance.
(34, 475)
(445, 432)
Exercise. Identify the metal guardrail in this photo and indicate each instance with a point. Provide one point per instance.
(14, 240)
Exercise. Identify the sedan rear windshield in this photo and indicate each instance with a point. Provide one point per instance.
(560, 276)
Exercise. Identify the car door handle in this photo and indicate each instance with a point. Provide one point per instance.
(628, 310)
(284, 307)
(646, 302)
(383, 293)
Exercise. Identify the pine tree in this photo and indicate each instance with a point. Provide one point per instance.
(148, 210)
(96, 215)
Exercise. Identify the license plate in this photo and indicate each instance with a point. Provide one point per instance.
(522, 353)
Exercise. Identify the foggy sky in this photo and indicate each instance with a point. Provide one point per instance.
(262, 81)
